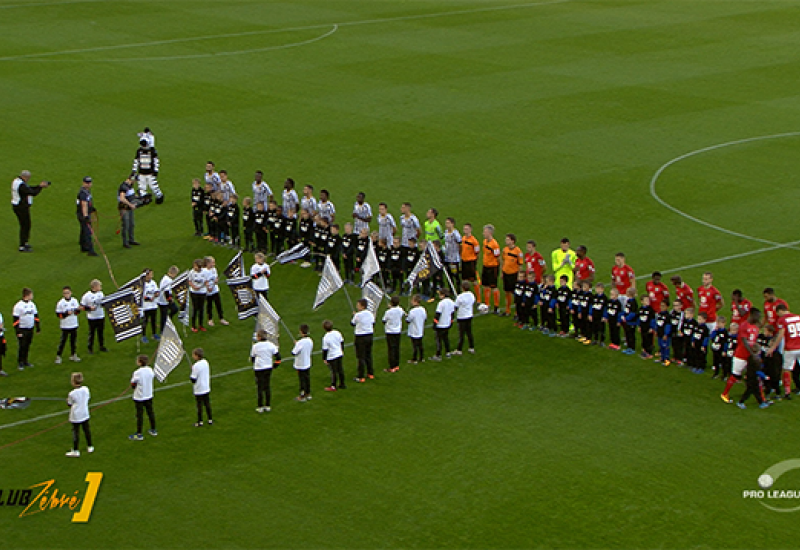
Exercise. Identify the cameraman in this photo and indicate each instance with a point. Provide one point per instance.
(21, 200)
(85, 209)
(126, 205)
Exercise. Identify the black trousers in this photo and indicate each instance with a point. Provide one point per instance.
(598, 330)
(630, 336)
(613, 332)
(248, 239)
(141, 406)
(87, 432)
(72, 334)
(364, 354)
(24, 216)
(214, 300)
(261, 239)
(337, 373)
(647, 342)
(442, 340)
(85, 239)
(465, 330)
(24, 339)
(198, 300)
(263, 387)
(751, 381)
(203, 400)
(393, 345)
(197, 218)
(168, 310)
(678, 348)
(149, 317)
(418, 349)
(304, 375)
(96, 327)
(563, 319)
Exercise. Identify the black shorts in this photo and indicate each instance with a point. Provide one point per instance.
(509, 281)
(468, 270)
(489, 276)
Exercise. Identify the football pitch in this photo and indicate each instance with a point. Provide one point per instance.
(666, 129)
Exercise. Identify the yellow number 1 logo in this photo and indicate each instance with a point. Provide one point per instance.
(82, 515)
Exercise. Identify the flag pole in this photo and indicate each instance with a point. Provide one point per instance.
(349, 300)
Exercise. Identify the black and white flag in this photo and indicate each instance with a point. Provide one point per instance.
(244, 296)
(136, 285)
(123, 314)
(428, 265)
(180, 296)
(329, 283)
(170, 351)
(235, 268)
(268, 320)
(373, 295)
(295, 253)
(371, 266)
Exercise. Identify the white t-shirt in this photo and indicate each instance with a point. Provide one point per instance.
(464, 304)
(212, 278)
(201, 372)
(164, 287)
(143, 377)
(302, 353)
(445, 310)
(264, 354)
(394, 320)
(332, 343)
(262, 281)
(26, 312)
(197, 282)
(149, 295)
(67, 311)
(363, 321)
(416, 321)
(91, 301)
(78, 401)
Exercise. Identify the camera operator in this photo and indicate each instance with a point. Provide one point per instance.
(126, 205)
(21, 200)
(85, 209)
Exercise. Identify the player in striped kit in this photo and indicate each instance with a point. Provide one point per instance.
(362, 214)
(67, 310)
(145, 169)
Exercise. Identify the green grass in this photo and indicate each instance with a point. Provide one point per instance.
(546, 120)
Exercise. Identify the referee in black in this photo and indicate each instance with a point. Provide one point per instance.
(21, 200)
(85, 209)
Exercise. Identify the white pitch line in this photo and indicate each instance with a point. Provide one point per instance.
(273, 31)
(726, 258)
(665, 204)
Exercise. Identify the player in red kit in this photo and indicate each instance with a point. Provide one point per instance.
(788, 335)
(622, 275)
(771, 302)
(534, 261)
(740, 308)
(710, 299)
(683, 292)
(584, 267)
(657, 291)
(747, 350)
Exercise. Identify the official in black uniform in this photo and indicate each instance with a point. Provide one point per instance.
(21, 200)
(85, 209)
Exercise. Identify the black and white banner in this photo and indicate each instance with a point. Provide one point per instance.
(329, 283)
(123, 314)
(244, 296)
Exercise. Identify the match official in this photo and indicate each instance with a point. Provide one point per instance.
(85, 209)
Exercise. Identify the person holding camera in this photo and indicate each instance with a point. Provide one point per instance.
(126, 204)
(85, 209)
(21, 200)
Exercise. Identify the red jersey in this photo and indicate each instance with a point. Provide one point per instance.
(623, 278)
(747, 333)
(769, 310)
(740, 311)
(790, 325)
(709, 302)
(584, 269)
(685, 294)
(658, 292)
(535, 262)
